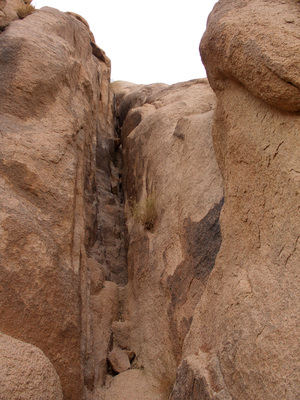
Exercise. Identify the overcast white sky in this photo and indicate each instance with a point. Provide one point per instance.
(147, 41)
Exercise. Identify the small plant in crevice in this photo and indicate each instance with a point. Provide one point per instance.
(145, 212)
(25, 9)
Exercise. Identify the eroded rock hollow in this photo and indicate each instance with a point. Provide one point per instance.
(150, 233)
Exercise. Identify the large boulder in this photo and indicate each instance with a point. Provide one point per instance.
(26, 373)
(55, 99)
(134, 385)
(245, 330)
(257, 43)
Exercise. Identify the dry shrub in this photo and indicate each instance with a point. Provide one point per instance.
(25, 9)
(146, 212)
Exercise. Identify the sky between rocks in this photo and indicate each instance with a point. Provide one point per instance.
(147, 41)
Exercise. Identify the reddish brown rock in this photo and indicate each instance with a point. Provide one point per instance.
(26, 373)
(118, 360)
(104, 311)
(169, 159)
(193, 382)
(133, 384)
(258, 44)
(51, 114)
(248, 317)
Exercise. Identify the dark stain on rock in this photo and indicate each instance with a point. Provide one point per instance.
(181, 128)
(189, 384)
(204, 241)
(201, 243)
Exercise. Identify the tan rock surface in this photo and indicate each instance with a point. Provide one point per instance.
(194, 380)
(227, 318)
(248, 317)
(118, 360)
(105, 310)
(168, 154)
(258, 43)
(26, 373)
(50, 113)
(134, 385)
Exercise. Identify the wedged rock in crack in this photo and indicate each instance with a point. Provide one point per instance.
(170, 177)
(26, 373)
(256, 43)
(248, 316)
(118, 360)
(129, 96)
(50, 84)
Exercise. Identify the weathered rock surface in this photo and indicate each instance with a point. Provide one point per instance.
(247, 320)
(26, 373)
(195, 382)
(55, 113)
(258, 43)
(217, 314)
(168, 154)
(118, 360)
(134, 385)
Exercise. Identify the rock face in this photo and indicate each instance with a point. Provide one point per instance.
(26, 373)
(245, 331)
(116, 277)
(55, 111)
(258, 44)
(134, 385)
(170, 173)
(118, 360)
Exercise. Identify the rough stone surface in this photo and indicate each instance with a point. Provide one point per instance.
(26, 373)
(168, 154)
(121, 333)
(118, 360)
(195, 383)
(134, 385)
(248, 317)
(219, 314)
(105, 310)
(55, 100)
(258, 43)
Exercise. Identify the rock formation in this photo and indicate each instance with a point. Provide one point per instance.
(170, 176)
(26, 373)
(117, 280)
(55, 106)
(244, 339)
